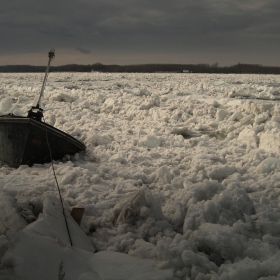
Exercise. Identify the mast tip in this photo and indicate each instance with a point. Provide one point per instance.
(52, 54)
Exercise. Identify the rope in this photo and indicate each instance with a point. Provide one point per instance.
(66, 223)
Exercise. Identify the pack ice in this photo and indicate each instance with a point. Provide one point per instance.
(180, 179)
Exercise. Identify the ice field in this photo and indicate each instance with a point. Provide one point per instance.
(180, 179)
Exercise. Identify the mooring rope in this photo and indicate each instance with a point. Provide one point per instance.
(61, 201)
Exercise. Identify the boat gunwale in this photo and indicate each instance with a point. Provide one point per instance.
(41, 125)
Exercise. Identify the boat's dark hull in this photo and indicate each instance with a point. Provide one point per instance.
(24, 141)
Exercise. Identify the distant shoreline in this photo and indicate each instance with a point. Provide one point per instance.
(148, 68)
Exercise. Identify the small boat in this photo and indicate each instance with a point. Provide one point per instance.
(29, 140)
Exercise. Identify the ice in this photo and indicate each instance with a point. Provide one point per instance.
(125, 267)
(97, 139)
(6, 104)
(219, 209)
(221, 114)
(63, 97)
(269, 140)
(268, 165)
(163, 175)
(236, 116)
(245, 269)
(248, 135)
(261, 118)
(149, 141)
(10, 220)
(180, 179)
(141, 206)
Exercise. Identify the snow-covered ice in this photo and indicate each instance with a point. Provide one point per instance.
(180, 179)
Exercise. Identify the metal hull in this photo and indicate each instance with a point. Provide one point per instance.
(24, 141)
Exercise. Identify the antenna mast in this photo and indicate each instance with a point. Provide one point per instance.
(36, 112)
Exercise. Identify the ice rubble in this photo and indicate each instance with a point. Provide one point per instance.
(180, 179)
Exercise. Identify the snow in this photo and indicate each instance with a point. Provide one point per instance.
(180, 179)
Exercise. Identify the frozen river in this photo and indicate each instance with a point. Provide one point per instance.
(180, 178)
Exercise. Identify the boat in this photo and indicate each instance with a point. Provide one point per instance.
(29, 140)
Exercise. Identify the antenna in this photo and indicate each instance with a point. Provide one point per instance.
(36, 112)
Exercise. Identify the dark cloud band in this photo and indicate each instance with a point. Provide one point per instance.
(142, 26)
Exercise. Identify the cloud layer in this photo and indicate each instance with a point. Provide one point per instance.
(226, 31)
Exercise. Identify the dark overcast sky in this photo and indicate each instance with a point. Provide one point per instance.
(140, 31)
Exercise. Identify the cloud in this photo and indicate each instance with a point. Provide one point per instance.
(142, 27)
(82, 50)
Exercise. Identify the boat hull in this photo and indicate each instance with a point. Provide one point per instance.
(25, 141)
